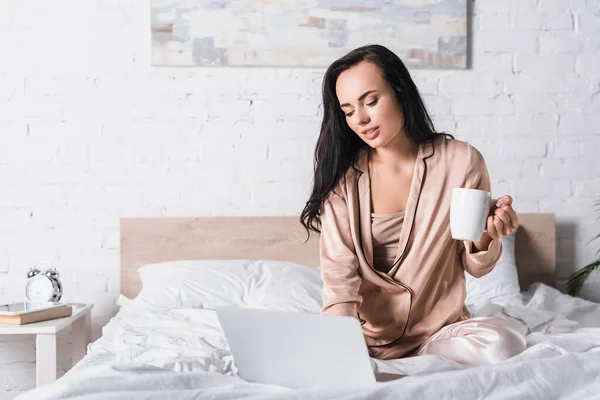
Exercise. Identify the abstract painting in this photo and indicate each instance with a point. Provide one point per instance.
(306, 33)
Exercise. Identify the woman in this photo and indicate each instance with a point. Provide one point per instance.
(381, 200)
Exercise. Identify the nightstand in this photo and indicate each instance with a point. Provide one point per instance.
(45, 339)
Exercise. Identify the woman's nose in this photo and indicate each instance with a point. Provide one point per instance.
(363, 118)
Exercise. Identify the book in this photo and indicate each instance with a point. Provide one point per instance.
(27, 315)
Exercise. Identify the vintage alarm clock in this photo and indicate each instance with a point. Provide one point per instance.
(43, 286)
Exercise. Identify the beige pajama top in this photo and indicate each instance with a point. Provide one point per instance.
(425, 289)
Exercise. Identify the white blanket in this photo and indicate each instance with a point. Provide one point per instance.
(182, 354)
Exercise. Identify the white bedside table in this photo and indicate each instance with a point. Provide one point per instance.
(45, 339)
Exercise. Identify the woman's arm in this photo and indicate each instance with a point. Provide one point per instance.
(339, 264)
(479, 258)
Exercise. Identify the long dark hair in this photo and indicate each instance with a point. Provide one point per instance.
(338, 146)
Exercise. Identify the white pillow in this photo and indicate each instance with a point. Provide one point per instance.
(501, 285)
(208, 284)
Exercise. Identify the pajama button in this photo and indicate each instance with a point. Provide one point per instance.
(378, 288)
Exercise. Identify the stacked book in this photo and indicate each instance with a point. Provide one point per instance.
(27, 312)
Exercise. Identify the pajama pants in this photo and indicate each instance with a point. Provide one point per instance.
(476, 341)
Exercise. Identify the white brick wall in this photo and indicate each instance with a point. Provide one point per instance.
(90, 133)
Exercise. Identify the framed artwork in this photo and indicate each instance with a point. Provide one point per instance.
(306, 33)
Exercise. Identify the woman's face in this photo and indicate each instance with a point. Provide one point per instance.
(369, 104)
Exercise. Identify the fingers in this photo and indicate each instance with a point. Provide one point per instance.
(505, 200)
(514, 218)
(506, 213)
(504, 216)
(503, 219)
(499, 226)
(491, 227)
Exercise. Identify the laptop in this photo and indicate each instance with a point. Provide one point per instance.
(294, 349)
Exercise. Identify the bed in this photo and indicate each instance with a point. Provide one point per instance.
(165, 340)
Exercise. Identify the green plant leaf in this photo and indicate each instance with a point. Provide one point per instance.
(596, 205)
(576, 280)
(594, 239)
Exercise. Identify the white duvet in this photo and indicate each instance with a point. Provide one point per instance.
(149, 353)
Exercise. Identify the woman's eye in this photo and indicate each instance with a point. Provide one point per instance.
(349, 114)
(371, 104)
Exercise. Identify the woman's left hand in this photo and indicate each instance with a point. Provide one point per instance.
(503, 219)
(500, 223)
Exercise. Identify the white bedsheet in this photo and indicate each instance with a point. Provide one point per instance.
(182, 354)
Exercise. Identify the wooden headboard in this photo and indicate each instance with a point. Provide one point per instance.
(152, 240)
(535, 249)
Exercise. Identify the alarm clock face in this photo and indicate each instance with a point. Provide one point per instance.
(39, 288)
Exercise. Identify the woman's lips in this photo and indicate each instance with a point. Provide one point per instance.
(372, 135)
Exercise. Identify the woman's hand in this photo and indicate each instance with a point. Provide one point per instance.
(503, 219)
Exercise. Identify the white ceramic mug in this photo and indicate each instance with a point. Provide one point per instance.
(469, 210)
